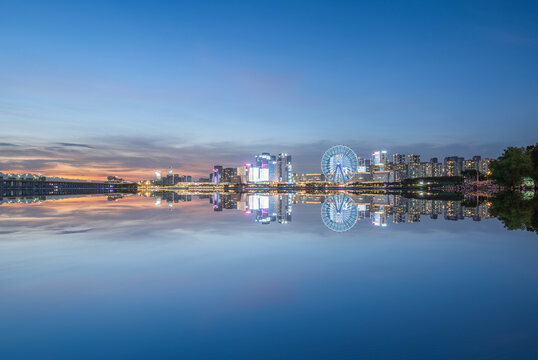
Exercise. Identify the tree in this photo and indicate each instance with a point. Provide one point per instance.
(512, 166)
(533, 150)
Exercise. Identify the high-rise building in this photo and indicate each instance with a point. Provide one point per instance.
(169, 180)
(380, 158)
(453, 166)
(483, 166)
(426, 169)
(242, 174)
(228, 174)
(398, 159)
(365, 165)
(413, 159)
(284, 168)
(217, 174)
(264, 170)
(437, 169)
(413, 171)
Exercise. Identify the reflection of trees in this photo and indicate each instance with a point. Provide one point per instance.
(516, 212)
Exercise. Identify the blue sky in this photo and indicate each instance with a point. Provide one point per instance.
(423, 77)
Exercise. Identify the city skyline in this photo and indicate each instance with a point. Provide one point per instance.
(195, 162)
(89, 90)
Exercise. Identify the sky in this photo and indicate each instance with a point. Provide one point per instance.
(90, 89)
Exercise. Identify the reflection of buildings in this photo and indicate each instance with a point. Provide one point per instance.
(269, 208)
(379, 210)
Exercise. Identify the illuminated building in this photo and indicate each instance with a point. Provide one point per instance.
(398, 159)
(413, 159)
(483, 166)
(267, 168)
(437, 169)
(169, 178)
(413, 170)
(380, 158)
(284, 168)
(426, 169)
(308, 178)
(453, 166)
(217, 174)
(242, 174)
(365, 165)
(383, 176)
(228, 174)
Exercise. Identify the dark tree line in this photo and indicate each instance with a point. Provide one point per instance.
(517, 165)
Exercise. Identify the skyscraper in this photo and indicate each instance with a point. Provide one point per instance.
(217, 174)
(380, 158)
(265, 169)
(284, 168)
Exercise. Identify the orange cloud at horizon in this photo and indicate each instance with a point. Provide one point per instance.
(99, 173)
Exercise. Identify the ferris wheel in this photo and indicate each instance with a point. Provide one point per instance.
(339, 213)
(339, 164)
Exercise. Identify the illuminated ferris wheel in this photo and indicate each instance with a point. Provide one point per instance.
(339, 164)
(339, 213)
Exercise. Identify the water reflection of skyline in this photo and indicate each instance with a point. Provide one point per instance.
(340, 212)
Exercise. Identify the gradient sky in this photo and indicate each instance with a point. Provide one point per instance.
(93, 88)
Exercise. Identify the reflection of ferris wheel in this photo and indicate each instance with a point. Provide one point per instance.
(339, 164)
(339, 213)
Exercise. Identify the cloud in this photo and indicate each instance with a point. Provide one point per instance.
(136, 158)
(76, 145)
(66, 232)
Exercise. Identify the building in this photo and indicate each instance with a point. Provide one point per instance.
(413, 159)
(426, 169)
(413, 170)
(379, 158)
(242, 174)
(264, 170)
(308, 178)
(383, 176)
(483, 166)
(398, 159)
(284, 168)
(453, 166)
(216, 177)
(472, 164)
(228, 174)
(365, 165)
(437, 169)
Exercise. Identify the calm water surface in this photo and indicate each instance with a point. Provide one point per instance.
(264, 277)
